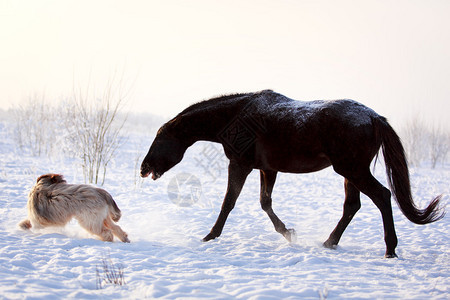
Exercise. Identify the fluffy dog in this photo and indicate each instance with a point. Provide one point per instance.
(53, 202)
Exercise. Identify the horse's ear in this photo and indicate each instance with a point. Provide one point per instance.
(170, 125)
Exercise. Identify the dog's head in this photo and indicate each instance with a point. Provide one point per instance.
(49, 179)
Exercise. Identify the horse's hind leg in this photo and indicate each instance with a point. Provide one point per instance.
(351, 205)
(267, 182)
(381, 196)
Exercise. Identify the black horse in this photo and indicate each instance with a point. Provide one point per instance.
(272, 133)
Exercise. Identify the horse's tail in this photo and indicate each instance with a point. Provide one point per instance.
(398, 177)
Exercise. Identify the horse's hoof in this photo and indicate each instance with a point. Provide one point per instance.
(329, 244)
(208, 237)
(290, 235)
(390, 255)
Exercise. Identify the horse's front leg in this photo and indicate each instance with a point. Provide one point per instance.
(237, 175)
(267, 182)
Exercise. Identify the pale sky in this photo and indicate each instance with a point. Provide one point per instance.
(393, 56)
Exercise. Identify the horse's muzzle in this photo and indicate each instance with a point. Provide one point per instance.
(145, 174)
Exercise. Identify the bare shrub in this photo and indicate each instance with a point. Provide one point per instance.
(87, 126)
(35, 126)
(138, 180)
(414, 140)
(109, 273)
(94, 124)
(422, 142)
(439, 142)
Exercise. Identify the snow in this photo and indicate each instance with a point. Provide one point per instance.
(166, 258)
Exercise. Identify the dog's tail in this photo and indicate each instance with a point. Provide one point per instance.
(114, 211)
(25, 224)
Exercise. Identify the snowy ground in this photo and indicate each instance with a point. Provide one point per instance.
(167, 259)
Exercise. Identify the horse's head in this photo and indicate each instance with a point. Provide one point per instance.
(165, 152)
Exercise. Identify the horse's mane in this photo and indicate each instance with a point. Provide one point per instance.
(211, 104)
(216, 101)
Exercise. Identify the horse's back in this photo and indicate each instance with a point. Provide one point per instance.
(309, 135)
(276, 106)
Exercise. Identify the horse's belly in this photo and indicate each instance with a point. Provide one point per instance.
(299, 163)
(306, 165)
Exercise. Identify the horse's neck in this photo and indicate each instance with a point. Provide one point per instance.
(204, 126)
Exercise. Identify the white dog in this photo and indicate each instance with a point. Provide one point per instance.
(53, 202)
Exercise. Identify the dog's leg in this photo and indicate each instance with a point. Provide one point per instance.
(97, 228)
(116, 230)
(106, 234)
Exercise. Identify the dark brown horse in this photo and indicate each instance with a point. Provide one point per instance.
(272, 133)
